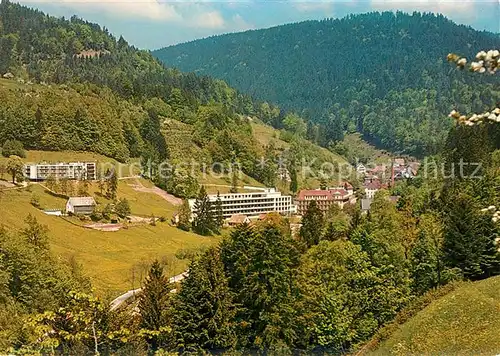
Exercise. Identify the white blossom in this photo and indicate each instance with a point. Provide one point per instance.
(481, 55)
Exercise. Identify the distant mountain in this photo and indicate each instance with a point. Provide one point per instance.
(382, 74)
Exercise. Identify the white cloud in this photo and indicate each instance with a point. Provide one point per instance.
(210, 19)
(309, 6)
(238, 23)
(145, 9)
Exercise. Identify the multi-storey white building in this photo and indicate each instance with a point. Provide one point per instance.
(252, 204)
(72, 170)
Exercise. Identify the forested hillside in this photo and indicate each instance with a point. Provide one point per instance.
(70, 85)
(383, 75)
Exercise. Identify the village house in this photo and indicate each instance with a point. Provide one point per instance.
(80, 205)
(361, 169)
(341, 195)
(372, 187)
(237, 219)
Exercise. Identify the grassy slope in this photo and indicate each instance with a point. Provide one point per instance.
(183, 150)
(464, 322)
(108, 257)
(266, 134)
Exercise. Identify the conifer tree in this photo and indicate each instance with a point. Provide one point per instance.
(219, 214)
(427, 255)
(234, 253)
(35, 233)
(50, 182)
(469, 238)
(234, 179)
(323, 183)
(261, 265)
(112, 184)
(154, 304)
(312, 225)
(294, 186)
(184, 216)
(204, 309)
(203, 222)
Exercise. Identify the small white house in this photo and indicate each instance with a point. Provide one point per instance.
(360, 168)
(80, 205)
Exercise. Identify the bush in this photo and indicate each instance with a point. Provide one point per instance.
(35, 200)
(96, 216)
(13, 148)
(122, 208)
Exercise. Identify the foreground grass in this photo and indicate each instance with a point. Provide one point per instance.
(466, 321)
(115, 261)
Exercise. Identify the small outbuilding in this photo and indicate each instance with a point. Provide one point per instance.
(80, 205)
(365, 205)
(238, 219)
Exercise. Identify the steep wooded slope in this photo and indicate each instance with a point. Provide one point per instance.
(384, 75)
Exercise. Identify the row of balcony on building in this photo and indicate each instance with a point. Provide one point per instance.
(58, 171)
(270, 200)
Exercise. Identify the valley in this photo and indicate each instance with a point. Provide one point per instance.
(323, 200)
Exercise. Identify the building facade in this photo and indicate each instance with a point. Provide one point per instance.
(80, 205)
(372, 187)
(252, 204)
(341, 195)
(72, 170)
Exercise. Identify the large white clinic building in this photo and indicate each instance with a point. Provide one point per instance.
(72, 170)
(253, 204)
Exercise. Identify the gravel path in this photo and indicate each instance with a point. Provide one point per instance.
(155, 190)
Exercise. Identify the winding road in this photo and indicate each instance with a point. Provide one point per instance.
(117, 302)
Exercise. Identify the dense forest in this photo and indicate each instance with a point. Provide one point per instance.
(73, 86)
(263, 290)
(381, 74)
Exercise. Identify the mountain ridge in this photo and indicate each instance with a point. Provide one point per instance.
(334, 72)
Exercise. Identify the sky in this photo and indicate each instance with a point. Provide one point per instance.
(152, 24)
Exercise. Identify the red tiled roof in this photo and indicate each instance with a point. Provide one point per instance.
(237, 219)
(373, 185)
(377, 169)
(347, 185)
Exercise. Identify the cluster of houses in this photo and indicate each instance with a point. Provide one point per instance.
(238, 208)
(255, 203)
(382, 176)
(397, 169)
